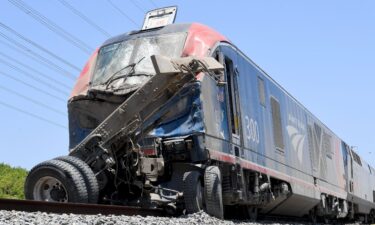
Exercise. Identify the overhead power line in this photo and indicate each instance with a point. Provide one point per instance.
(33, 87)
(47, 84)
(36, 102)
(31, 114)
(85, 18)
(34, 70)
(137, 6)
(39, 47)
(122, 13)
(36, 56)
(52, 26)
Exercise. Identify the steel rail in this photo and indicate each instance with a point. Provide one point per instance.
(94, 209)
(76, 208)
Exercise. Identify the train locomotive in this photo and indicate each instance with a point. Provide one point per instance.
(175, 116)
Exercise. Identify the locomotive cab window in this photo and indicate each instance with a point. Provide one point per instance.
(277, 126)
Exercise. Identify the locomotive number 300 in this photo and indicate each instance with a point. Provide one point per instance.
(252, 130)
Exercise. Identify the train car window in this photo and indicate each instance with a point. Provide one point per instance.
(369, 168)
(356, 158)
(261, 90)
(373, 196)
(277, 127)
(344, 151)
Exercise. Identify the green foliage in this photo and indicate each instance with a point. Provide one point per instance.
(12, 181)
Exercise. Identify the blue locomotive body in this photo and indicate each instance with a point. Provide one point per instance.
(255, 126)
(253, 122)
(233, 139)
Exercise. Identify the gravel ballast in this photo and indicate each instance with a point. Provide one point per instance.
(19, 217)
(42, 218)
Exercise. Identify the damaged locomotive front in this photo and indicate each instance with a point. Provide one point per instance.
(136, 125)
(138, 168)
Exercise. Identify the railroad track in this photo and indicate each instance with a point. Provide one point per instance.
(94, 209)
(90, 209)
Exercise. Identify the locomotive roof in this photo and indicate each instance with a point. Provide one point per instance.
(199, 41)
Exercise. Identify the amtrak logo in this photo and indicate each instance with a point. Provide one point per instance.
(297, 139)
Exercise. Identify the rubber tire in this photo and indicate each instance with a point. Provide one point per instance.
(88, 175)
(67, 174)
(191, 180)
(213, 192)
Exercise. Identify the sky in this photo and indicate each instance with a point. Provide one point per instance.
(322, 52)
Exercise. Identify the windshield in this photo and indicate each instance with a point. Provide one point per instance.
(127, 64)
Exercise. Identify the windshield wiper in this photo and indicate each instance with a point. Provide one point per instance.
(113, 76)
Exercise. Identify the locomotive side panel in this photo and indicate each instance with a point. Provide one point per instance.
(252, 113)
(297, 148)
(288, 145)
(277, 153)
(363, 185)
(254, 123)
(258, 150)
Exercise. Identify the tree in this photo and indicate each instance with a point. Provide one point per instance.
(12, 181)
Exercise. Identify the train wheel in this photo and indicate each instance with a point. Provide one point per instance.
(87, 174)
(213, 192)
(193, 192)
(55, 181)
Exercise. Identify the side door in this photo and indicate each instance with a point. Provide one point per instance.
(348, 162)
(233, 102)
(351, 172)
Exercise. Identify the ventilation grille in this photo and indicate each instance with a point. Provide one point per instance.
(277, 127)
(261, 90)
